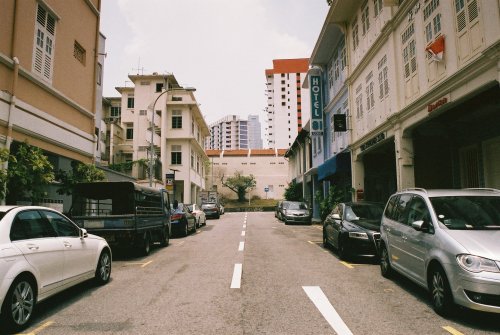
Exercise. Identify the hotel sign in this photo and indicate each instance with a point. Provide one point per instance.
(316, 106)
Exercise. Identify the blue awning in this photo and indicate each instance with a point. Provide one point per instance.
(338, 163)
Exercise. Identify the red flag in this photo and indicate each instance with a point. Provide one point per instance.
(436, 49)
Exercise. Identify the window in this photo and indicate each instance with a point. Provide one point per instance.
(99, 74)
(79, 52)
(45, 30)
(198, 160)
(432, 21)
(409, 52)
(192, 159)
(365, 18)
(130, 102)
(343, 55)
(116, 111)
(359, 102)
(177, 119)
(355, 34)
(176, 98)
(130, 131)
(370, 100)
(30, 225)
(176, 155)
(143, 112)
(159, 87)
(377, 7)
(61, 225)
(383, 80)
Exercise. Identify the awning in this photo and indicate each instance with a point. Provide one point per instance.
(338, 163)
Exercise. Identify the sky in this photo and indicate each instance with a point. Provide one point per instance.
(219, 47)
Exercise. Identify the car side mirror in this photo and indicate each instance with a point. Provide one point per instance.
(421, 225)
(83, 233)
(336, 216)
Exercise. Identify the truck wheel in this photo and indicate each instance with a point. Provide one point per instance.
(146, 244)
(165, 238)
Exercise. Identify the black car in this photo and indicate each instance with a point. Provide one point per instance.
(182, 219)
(211, 210)
(353, 228)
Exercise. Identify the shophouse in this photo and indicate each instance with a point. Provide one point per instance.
(424, 97)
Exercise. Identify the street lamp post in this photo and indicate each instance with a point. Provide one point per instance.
(152, 147)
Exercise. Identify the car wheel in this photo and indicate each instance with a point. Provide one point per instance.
(194, 227)
(165, 238)
(103, 270)
(385, 265)
(186, 229)
(442, 300)
(198, 223)
(326, 245)
(342, 250)
(19, 304)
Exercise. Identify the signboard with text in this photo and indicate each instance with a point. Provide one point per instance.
(316, 106)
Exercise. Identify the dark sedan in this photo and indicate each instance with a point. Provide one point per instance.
(353, 228)
(183, 221)
(211, 210)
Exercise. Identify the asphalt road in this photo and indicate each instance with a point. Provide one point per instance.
(249, 274)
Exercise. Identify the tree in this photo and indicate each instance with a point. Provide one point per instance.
(293, 192)
(239, 184)
(81, 173)
(4, 157)
(29, 173)
(326, 204)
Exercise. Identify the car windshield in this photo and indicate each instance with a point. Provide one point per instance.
(364, 212)
(206, 206)
(296, 205)
(468, 212)
(190, 207)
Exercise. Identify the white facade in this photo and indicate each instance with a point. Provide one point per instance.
(254, 132)
(268, 166)
(420, 119)
(178, 135)
(288, 105)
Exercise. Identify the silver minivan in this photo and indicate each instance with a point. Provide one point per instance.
(447, 241)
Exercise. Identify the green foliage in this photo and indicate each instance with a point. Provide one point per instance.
(127, 166)
(28, 174)
(4, 157)
(81, 173)
(239, 184)
(293, 192)
(326, 204)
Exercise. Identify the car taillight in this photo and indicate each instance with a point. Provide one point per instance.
(176, 217)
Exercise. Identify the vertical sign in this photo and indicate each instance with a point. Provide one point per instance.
(316, 106)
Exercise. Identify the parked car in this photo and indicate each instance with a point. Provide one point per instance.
(221, 209)
(353, 228)
(199, 214)
(42, 252)
(277, 209)
(182, 220)
(211, 210)
(447, 241)
(295, 212)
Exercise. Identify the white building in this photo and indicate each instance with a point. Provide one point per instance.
(288, 105)
(254, 132)
(228, 133)
(178, 134)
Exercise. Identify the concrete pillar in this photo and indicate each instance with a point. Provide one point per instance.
(405, 171)
(358, 175)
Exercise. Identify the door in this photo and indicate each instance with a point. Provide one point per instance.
(395, 227)
(79, 253)
(37, 240)
(417, 243)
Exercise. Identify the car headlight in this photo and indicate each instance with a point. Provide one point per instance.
(359, 235)
(477, 264)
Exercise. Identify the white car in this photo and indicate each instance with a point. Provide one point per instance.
(201, 219)
(42, 252)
